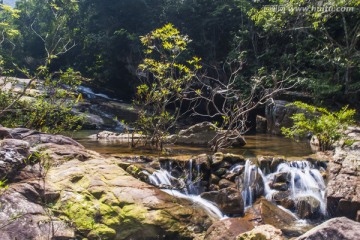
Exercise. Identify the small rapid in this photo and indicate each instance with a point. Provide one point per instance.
(186, 189)
(295, 181)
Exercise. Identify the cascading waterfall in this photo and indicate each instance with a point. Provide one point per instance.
(187, 189)
(304, 181)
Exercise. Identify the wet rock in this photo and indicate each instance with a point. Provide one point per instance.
(340, 228)
(307, 207)
(280, 186)
(234, 158)
(231, 176)
(220, 172)
(214, 179)
(203, 161)
(265, 212)
(287, 203)
(155, 164)
(228, 229)
(282, 177)
(264, 163)
(229, 200)
(261, 124)
(283, 198)
(226, 183)
(214, 187)
(137, 172)
(276, 161)
(263, 232)
(217, 158)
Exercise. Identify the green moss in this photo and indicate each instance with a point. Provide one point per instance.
(132, 220)
(251, 236)
(89, 214)
(102, 232)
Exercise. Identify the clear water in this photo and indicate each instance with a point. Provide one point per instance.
(258, 144)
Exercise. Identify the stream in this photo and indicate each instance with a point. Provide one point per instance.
(289, 182)
(290, 185)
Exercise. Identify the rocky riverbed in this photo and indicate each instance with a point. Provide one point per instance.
(54, 188)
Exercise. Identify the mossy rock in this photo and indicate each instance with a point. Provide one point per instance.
(251, 236)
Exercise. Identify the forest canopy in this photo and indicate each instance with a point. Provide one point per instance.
(315, 42)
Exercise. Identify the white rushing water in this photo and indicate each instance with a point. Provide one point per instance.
(208, 206)
(303, 180)
(162, 178)
(91, 94)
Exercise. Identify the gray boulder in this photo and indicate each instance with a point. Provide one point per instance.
(334, 229)
(278, 115)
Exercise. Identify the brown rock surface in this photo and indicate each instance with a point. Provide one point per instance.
(228, 229)
(334, 229)
(229, 200)
(343, 189)
(263, 232)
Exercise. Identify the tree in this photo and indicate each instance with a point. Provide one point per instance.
(328, 127)
(232, 100)
(166, 74)
(51, 109)
(322, 45)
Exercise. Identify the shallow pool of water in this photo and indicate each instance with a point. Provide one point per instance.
(257, 144)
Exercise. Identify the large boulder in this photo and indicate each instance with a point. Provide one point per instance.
(229, 200)
(340, 228)
(34, 137)
(265, 212)
(278, 115)
(343, 189)
(13, 156)
(103, 200)
(228, 229)
(23, 214)
(89, 193)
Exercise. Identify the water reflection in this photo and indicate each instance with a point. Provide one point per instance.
(257, 144)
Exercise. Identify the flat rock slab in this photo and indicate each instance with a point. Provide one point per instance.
(97, 195)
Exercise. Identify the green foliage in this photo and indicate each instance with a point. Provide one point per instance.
(319, 41)
(3, 185)
(51, 109)
(326, 126)
(167, 75)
